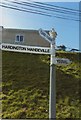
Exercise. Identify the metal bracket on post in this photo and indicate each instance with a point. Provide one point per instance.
(53, 60)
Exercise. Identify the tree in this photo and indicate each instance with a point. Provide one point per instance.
(62, 47)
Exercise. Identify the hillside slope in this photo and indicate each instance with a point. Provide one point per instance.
(25, 86)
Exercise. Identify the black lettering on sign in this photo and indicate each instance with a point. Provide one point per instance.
(32, 49)
(29, 49)
(62, 61)
(38, 50)
(13, 47)
(49, 38)
(4, 46)
(45, 35)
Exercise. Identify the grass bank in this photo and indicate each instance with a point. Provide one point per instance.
(25, 86)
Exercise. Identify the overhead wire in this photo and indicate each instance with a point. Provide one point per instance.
(55, 6)
(30, 5)
(36, 5)
(23, 10)
(35, 11)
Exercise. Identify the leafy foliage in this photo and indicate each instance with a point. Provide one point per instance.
(25, 86)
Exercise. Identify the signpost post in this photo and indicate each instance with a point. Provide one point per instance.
(52, 96)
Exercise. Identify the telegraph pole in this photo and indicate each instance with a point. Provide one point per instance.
(52, 96)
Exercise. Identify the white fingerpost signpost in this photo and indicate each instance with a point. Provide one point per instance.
(52, 96)
(53, 61)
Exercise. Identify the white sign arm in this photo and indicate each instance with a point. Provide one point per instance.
(25, 49)
(45, 35)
